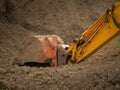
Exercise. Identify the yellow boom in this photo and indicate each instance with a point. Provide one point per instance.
(50, 49)
(100, 33)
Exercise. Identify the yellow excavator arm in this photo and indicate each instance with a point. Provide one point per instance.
(96, 36)
(50, 49)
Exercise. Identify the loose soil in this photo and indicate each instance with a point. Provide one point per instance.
(22, 19)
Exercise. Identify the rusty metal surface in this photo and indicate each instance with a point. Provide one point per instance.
(40, 49)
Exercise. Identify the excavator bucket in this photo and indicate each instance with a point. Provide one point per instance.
(40, 49)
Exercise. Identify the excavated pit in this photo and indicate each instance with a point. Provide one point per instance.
(22, 19)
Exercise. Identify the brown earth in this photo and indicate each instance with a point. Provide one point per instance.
(22, 19)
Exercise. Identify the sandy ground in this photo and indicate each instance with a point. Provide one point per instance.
(21, 19)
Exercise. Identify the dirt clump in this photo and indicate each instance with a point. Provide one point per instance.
(22, 19)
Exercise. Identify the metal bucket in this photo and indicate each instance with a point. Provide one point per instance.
(41, 49)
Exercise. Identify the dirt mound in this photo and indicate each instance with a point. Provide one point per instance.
(21, 19)
(68, 18)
